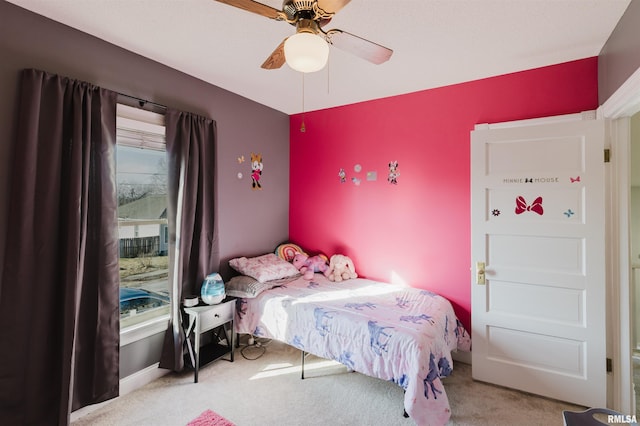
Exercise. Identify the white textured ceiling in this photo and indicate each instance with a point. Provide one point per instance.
(435, 42)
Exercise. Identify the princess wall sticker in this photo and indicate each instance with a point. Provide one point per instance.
(392, 177)
(256, 171)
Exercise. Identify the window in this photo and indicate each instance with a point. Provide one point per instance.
(141, 174)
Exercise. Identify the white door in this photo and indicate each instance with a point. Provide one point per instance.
(538, 224)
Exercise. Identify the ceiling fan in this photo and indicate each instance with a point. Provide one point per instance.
(308, 49)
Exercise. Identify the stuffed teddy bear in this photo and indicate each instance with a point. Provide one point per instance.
(341, 268)
(310, 265)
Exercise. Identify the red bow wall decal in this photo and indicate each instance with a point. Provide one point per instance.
(536, 206)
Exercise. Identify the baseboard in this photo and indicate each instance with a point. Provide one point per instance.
(461, 356)
(127, 385)
(141, 378)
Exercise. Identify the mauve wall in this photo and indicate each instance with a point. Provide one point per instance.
(620, 56)
(417, 231)
(249, 221)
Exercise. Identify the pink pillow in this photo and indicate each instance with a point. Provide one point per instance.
(267, 267)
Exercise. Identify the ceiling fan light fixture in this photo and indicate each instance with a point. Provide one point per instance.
(306, 52)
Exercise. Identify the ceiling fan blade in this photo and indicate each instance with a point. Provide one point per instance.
(359, 46)
(255, 7)
(332, 6)
(276, 59)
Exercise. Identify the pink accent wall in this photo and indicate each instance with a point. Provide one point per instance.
(417, 231)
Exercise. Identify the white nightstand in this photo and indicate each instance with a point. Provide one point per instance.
(205, 318)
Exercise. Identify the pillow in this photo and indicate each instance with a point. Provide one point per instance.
(267, 267)
(245, 287)
(287, 251)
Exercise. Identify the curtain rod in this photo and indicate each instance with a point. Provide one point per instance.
(142, 102)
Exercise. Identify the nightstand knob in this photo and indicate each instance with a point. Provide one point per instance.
(217, 315)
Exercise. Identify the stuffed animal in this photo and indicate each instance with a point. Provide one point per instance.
(341, 268)
(309, 265)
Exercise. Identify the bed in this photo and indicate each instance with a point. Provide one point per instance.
(391, 332)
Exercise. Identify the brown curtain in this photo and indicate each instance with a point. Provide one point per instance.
(191, 145)
(59, 303)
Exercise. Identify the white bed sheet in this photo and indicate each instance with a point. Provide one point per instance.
(391, 332)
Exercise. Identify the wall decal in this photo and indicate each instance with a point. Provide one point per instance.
(240, 160)
(569, 213)
(536, 206)
(372, 176)
(256, 171)
(392, 178)
(495, 212)
(343, 176)
(574, 180)
(356, 181)
(531, 180)
(357, 168)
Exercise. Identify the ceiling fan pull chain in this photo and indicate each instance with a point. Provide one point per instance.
(328, 74)
(302, 126)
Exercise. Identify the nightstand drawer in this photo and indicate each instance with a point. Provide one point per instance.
(216, 316)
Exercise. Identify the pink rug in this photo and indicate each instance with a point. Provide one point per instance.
(209, 418)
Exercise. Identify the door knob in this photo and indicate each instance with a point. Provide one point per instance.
(480, 273)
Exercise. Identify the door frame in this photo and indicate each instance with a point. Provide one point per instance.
(617, 110)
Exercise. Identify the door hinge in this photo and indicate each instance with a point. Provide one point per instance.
(609, 365)
(607, 155)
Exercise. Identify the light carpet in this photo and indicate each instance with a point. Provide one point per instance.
(269, 391)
